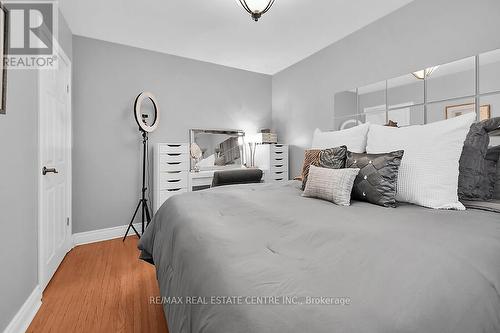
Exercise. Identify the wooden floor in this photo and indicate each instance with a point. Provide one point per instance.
(101, 287)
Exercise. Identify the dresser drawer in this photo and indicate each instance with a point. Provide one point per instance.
(277, 178)
(276, 149)
(177, 157)
(173, 180)
(176, 163)
(279, 167)
(165, 194)
(201, 181)
(181, 148)
(278, 174)
(280, 159)
(174, 157)
(279, 154)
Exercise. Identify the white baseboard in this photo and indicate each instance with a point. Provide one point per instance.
(26, 313)
(100, 235)
(28, 310)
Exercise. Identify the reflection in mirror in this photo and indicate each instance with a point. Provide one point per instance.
(346, 122)
(452, 80)
(374, 115)
(436, 93)
(220, 149)
(490, 105)
(489, 72)
(405, 90)
(371, 99)
(345, 104)
(407, 115)
(449, 109)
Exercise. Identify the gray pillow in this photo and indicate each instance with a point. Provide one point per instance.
(334, 185)
(497, 186)
(490, 206)
(477, 176)
(377, 178)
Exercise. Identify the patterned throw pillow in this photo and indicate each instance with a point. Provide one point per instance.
(334, 185)
(333, 158)
(377, 178)
(310, 156)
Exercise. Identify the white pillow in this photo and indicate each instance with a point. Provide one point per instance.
(354, 138)
(428, 175)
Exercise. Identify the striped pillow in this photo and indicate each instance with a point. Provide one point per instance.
(334, 185)
(311, 156)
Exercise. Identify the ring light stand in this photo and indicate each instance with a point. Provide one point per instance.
(145, 129)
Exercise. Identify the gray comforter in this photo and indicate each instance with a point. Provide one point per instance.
(408, 269)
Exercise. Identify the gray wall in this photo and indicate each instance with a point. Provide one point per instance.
(19, 187)
(415, 36)
(107, 146)
(18, 193)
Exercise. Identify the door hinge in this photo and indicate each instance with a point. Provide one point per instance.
(67, 221)
(67, 88)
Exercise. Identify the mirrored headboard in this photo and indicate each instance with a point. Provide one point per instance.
(214, 149)
(436, 93)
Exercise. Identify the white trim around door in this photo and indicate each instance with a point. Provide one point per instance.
(43, 277)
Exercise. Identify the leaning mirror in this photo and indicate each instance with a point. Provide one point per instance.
(216, 149)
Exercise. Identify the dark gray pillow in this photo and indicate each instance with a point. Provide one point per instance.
(497, 186)
(490, 206)
(377, 180)
(331, 158)
(477, 176)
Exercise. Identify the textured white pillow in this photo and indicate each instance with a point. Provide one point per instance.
(334, 185)
(428, 175)
(354, 138)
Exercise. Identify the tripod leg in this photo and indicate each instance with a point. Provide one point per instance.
(143, 216)
(135, 230)
(131, 222)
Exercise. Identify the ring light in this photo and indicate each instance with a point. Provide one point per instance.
(145, 129)
(138, 115)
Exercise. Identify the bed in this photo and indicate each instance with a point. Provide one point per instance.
(321, 267)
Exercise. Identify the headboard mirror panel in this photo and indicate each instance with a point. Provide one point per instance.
(436, 93)
(213, 149)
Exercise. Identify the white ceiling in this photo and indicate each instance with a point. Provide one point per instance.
(221, 32)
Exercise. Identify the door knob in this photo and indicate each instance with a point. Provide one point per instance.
(46, 170)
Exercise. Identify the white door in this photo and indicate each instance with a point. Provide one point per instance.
(55, 159)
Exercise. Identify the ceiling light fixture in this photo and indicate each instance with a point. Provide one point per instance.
(256, 7)
(425, 73)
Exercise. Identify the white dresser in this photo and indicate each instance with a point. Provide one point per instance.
(171, 169)
(273, 160)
